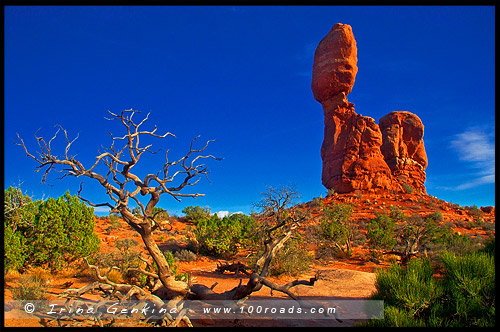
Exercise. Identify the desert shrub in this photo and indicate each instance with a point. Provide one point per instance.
(196, 213)
(316, 202)
(115, 224)
(337, 226)
(221, 237)
(381, 233)
(488, 226)
(436, 216)
(396, 214)
(50, 232)
(474, 211)
(408, 188)
(19, 215)
(64, 228)
(292, 259)
(185, 255)
(463, 297)
(489, 246)
(116, 276)
(412, 288)
(453, 242)
(173, 266)
(15, 255)
(30, 287)
(124, 256)
(469, 283)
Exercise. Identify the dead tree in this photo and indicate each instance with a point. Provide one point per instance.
(123, 187)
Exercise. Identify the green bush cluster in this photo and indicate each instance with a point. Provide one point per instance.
(337, 227)
(221, 237)
(49, 232)
(196, 213)
(408, 236)
(464, 296)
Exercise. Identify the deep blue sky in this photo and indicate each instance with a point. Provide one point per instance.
(242, 75)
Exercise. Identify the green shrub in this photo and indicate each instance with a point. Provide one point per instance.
(173, 267)
(463, 297)
(412, 288)
(337, 226)
(381, 233)
(469, 283)
(221, 237)
(53, 232)
(394, 317)
(30, 288)
(292, 259)
(19, 215)
(436, 216)
(195, 214)
(64, 228)
(396, 214)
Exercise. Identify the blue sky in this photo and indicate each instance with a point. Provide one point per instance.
(242, 75)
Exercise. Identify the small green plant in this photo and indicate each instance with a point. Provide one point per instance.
(173, 267)
(407, 188)
(185, 255)
(292, 259)
(30, 287)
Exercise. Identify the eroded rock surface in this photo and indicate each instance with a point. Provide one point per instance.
(403, 147)
(356, 152)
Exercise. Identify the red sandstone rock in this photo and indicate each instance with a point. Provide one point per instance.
(488, 209)
(403, 147)
(335, 63)
(356, 153)
(351, 152)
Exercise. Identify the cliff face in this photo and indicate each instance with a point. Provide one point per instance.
(356, 152)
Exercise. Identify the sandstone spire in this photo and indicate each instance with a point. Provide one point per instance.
(356, 153)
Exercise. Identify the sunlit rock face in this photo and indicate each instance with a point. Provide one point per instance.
(403, 147)
(335, 63)
(358, 154)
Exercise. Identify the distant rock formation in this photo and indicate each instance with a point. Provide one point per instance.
(356, 152)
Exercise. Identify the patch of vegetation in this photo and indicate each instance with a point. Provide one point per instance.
(53, 232)
(337, 227)
(32, 286)
(407, 188)
(195, 214)
(292, 259)
(185, 255)
(463, 297)
(222, 237)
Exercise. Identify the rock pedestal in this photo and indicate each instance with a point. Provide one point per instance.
(356, 152)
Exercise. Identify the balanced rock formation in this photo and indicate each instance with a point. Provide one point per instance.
(356, 153)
